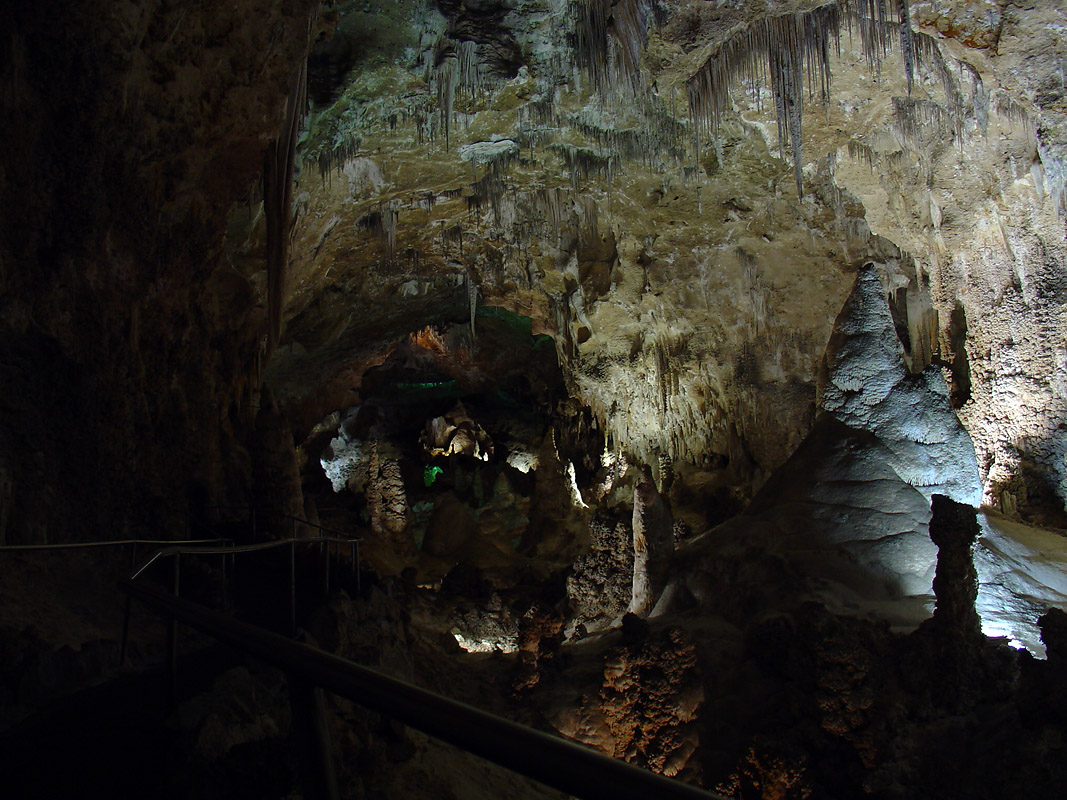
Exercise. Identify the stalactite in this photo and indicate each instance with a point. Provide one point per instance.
(544, 212)
(979, 98)
(338, 154)
(470, 68)
(591, 38)
(382, 222)
(447, 80)
(663, 373)
(454, 235)
(456, 68)
(630, 27)
(488, 189)
(786, 84)
(752, 285)
(472, 301)
(907, 43)
(788, 49)
(589, 215)
(538, 122)
(582, 162)
(609, 38)
(929, 53)
(917, 119)
(278, 166)
(541, 111)
(858, 151)
(390, 217)
(1004, 105)
(780, 47)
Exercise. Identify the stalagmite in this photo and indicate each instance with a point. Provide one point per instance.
(387, 501)
(954, 529)
(653, 544)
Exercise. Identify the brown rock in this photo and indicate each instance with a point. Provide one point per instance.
(451, 525)
(954, 528)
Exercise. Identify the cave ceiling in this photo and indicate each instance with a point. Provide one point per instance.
(684, 212)
(680, 194)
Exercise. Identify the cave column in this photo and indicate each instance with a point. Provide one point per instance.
(954, 529)
(653, 544)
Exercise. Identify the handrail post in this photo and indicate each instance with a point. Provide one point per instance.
(292, 587)
(325, 548)
(225, 586)
(311, 732)
(172, 635)
(125, 631)
(359, 572)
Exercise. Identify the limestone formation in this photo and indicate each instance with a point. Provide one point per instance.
(658, 677)
(456, 434)
(600, 586)
(954, 528)
(866, 385)
(653, 537)
(1054, 635)
(387, 500)
(805, 258)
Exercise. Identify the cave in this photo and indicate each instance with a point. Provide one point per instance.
(682, 382)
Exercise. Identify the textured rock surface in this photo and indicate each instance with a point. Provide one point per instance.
(690, 282)
(849, 517)
(601, 585)
(653, 536)
(688, 261)
(954, 528)
(129, 343)
(867, 386)
(645, 709)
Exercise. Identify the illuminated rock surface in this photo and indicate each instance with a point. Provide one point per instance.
(566, 284)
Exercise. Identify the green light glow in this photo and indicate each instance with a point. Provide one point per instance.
(430, 474)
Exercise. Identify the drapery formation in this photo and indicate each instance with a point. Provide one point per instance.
(278, 169)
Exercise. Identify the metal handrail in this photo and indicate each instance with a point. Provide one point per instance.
(229, 550)
(108, 543)
(556, 762)
(242, 548)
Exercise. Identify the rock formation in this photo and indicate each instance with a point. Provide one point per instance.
(866, 385)
(387, 500)
(954, 528)
(805, 260)
(653, 535)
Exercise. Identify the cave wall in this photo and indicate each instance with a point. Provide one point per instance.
(507, 154)
(690, 290)
(128, 344)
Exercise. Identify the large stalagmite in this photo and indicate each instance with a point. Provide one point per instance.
(653, 544)
(866, 385)
(954, 529)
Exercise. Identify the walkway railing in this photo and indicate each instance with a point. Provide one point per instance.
(228, 552)
(551, 760)
(176, 552)
(131, 543)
